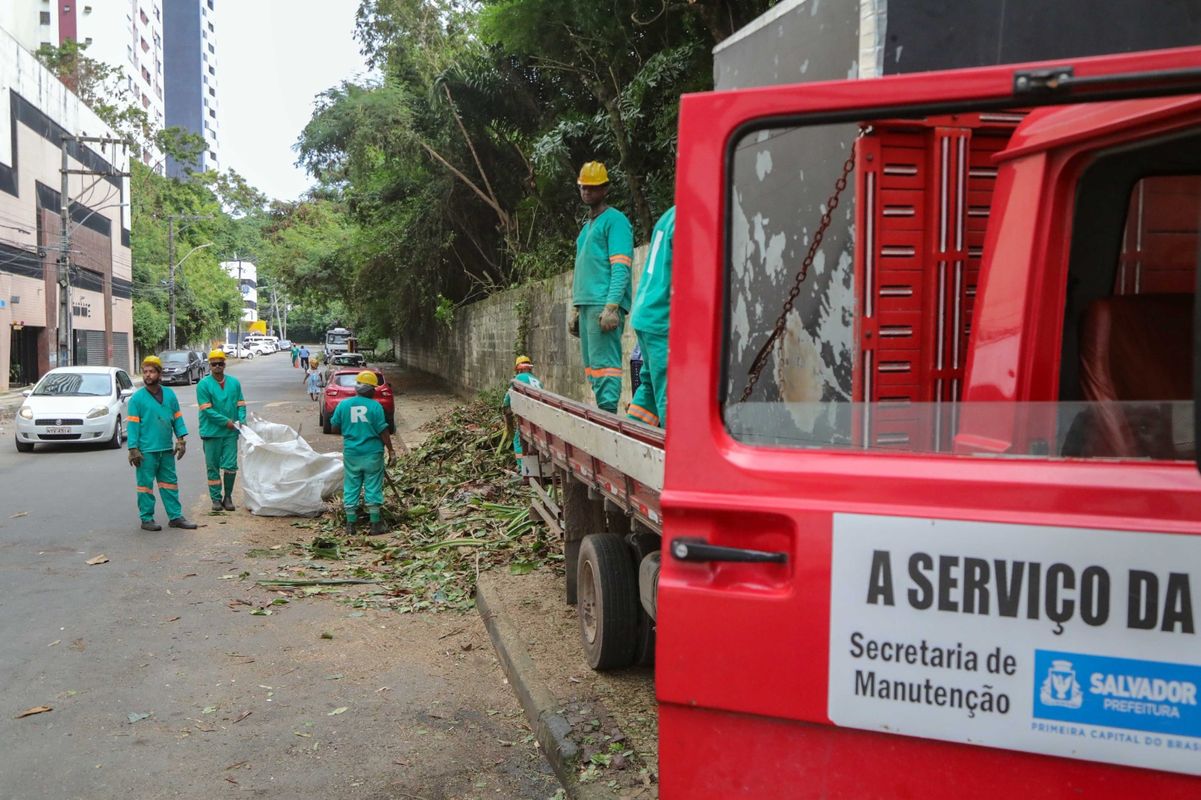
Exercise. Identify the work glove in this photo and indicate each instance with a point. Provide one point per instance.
(181, 447)
(610, 318)
(135, 457)
(573, 327)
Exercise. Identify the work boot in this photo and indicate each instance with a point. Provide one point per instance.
(377, 527)
(181, 522)
(217, 506)
(228, 502)
(350, 527)
(151, 525)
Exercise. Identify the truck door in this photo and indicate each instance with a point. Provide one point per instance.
(1002, 601)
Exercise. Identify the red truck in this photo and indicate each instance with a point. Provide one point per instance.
(927, 518)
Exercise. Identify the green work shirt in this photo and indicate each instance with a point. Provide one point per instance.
(218, 405)
(151, 425)
(652, 304)
(524, 377)
(361, 420)
(604, 253)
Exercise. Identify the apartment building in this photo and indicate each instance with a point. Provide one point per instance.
(191, 75)
(127, 34)
(35, 294)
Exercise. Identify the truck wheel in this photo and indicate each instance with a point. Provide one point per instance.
(607, 602)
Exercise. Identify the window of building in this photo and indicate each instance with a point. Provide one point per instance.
(87, 9)
(87, 41)
(44, 17)
(210, 2)
(213, 113)
(212, 92)
(145, 46)
(212, 71)
(212, 50)
(142, 15)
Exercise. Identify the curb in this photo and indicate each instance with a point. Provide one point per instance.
(551, 728)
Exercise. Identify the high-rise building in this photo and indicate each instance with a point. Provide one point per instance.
(191, 77)
(126, 34)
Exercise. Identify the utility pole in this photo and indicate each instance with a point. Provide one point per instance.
(243, 311)
(171, 280)
(65, 331)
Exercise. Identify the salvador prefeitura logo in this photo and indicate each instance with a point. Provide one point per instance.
(1126, 693)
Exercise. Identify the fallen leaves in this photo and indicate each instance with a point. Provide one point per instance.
(136, 716)
(100, 559)
(19, 514)
(29, 712)
(337, 711)
(242, 716)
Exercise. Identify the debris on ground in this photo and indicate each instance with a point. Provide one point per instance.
(100, 559)
(29, 712)
(455, 506)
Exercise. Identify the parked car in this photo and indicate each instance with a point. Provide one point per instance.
(75, 405)
(234, 351)
(342, 361)
(204, 362)
(285, 344)
(341, 386)
(181, 366)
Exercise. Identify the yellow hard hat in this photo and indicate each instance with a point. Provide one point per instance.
(593, 174)
(216, 355)
(367, 377)
(153, 361)
(523, 361)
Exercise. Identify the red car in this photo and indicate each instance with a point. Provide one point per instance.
(341, 386)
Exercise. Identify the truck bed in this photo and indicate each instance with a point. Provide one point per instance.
(619, 458)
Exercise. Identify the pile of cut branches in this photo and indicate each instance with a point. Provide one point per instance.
(455, 507)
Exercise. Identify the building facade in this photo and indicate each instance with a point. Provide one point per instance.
(246, 274)
(35, 287)
(191, 77)
(126, 34)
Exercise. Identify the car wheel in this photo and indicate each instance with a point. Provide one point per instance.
(326, 426)
(118, 437)
(23, 447)
(607, 602)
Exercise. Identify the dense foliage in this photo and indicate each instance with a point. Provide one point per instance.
(451, 173)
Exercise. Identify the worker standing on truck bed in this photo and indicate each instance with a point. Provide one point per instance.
(222, 411)
(649, 319)
(523, 370)
(600, 292)
(365, 436)
(153, 420)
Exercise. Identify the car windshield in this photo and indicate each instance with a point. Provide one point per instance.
(347, 380)
(174, 357)
(74, 384)
(337, 338)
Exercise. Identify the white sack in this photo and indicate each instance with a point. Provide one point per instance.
(282, 476)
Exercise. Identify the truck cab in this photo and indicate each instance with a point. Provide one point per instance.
(956, 408)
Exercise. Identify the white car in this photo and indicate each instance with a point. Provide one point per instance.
(75, 405)
(239, 352)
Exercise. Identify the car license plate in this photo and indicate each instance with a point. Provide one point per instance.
(58, 430)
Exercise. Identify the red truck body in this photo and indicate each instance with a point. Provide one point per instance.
(954, 546)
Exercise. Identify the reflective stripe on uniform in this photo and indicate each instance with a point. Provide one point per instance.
(603, 372)
(203, 406)
(145, 489)
(241, 402)
(162, 485)
(178, 414)
(620, 259)
(215, 483)
(133, 419)
(640, 413)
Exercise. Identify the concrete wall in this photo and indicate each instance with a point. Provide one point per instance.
(476, 352)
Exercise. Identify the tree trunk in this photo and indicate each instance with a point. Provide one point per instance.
(642, 209)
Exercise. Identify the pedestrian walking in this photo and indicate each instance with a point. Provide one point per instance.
(649, 319)
(295, 356)
(153, 420)
(222, 412)
(304, 357)
(365, 437)
(312, 382)
(523, 371)
(601, 286)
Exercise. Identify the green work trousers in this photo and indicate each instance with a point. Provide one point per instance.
(362, 475)
(649, 403)
(602, 356)
(158, 466)
(221, 453)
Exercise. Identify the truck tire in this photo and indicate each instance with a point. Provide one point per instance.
(581, 516)
(607, 602)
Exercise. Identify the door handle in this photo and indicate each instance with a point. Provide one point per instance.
(698, 550)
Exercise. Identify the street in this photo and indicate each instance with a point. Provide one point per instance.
(163, 684)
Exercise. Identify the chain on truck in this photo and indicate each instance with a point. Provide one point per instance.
(936, 527)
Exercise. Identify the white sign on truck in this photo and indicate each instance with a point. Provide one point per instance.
(1065, 641)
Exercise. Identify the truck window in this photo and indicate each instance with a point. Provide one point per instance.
(871, 346)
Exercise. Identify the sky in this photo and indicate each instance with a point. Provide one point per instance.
(273, 58)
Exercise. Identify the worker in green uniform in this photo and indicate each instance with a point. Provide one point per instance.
(600, 292)
(649, 319)
(523, 371)
(365, 437)
(222, 411)
(152, 420)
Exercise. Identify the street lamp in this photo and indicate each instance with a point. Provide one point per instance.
(171, 289)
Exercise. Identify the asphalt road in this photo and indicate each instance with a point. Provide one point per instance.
(161, 688)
